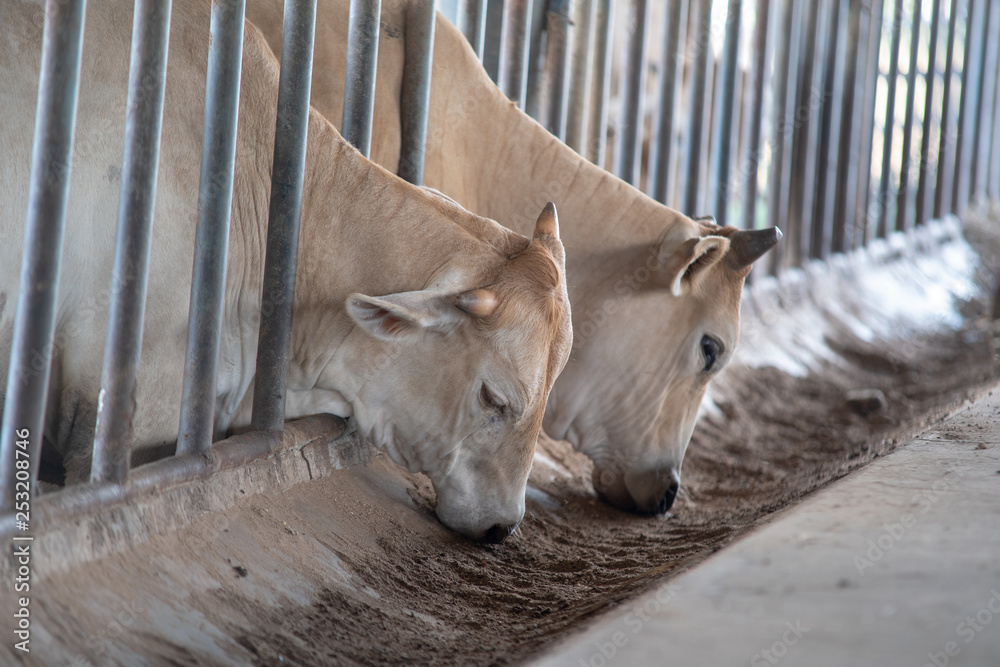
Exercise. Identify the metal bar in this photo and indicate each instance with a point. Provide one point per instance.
(862, 220)
(802, 181)
(416, 94)
(215, 196)
(34, 325)
(662, 147)
(556, 83)
(290, 134)
(492, 39)
(786, 57)
(581, 74)
(359, 86)
(987, 88)
(967, 107)
(845, 210)
(136, 199)
(633, 93)
(514, 47)
(723, 125)
(882, 225)
(597, 128)
(696, 102)
(924, 190)
(830, 140)
(753, 151)
(472, 23)
(948, 139)
(533, 88)
(993, 180)
(902, 222)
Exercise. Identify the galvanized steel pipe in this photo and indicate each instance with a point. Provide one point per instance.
(359, 85)
(881, 228)
(32, 346)
(215, 197)
(633, 94)
(924, 202)
(903, 194)
(556, 86)
(123, 342)
(581, 74)
(514, 48)
(472, 23)
(290, 135)
(723, 124)
(416, 94)
(597, 126)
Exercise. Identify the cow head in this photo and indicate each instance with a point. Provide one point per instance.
(668, 323)
(466, 368)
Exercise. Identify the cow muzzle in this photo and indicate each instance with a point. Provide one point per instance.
(650, 491)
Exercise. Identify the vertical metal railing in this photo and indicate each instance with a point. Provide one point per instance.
(555, 76)
(416, 95)
(515, 44)
(903, 194)
(472, 23)
(597, 125)
(633, 95)
(987, 87)
(34, 326)
(702, 22)
(359, 87)
(723, 127)
(581, 74)
(662, 149)
(123, 342)
(215, 197)
(281, 255)
(861, 117)
(924, 202)
(968, 105)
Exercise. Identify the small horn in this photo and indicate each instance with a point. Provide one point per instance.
(746, 247)
(548, 222)
(478, 303)
(706, 218)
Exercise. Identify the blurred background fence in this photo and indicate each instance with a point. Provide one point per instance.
(839, 121)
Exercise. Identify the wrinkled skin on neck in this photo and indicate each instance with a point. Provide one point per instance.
(631, 391)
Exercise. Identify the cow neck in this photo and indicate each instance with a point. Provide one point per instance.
(514, 166)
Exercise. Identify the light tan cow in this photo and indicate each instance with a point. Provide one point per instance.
(655, 294)
(447, 366)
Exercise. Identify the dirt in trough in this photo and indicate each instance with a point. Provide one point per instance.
(445, 601)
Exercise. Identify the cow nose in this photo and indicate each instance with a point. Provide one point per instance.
(668, 498)
(498, 534)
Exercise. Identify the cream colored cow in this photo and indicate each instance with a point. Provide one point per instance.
(439, 333)
(655, 294)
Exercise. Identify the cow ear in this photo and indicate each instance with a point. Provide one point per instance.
(395, 316)
(686, 264)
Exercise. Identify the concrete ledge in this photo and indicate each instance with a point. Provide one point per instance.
(897, 564)
(310, 448)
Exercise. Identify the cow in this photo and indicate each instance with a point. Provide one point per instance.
(655, 294)
(437, 332)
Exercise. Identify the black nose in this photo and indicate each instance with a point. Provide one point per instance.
(497, 534)
(668, 500)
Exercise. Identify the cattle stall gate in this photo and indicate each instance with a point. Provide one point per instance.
(845, 123)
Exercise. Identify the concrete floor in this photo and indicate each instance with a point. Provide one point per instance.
(897, 564)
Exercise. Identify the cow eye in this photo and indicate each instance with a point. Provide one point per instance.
(491, 400)
(710, 350)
